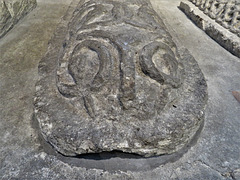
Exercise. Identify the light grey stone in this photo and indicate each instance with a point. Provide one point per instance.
(236, 174)
(220, 34)
(114, 80)
(214, 156)
(225, 12)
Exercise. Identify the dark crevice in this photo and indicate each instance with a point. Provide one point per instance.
(108, 155)
(114, 160)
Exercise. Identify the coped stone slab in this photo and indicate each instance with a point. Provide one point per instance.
(226, 13)
(114, 80)
(224, 35)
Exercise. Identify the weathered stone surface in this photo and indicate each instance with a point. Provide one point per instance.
(114, 80)
(11, 11)
(228, 39)
(215, 155)
(225, 12)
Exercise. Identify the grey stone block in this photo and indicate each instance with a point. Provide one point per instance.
(114, 80)
(220, 34)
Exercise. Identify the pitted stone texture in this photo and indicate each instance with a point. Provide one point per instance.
(225, 12)
(226, 38)
(114, 80)
(11, 11)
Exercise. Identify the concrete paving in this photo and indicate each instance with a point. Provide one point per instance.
(216, 154)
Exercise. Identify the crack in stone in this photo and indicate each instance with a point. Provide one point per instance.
(225, 174)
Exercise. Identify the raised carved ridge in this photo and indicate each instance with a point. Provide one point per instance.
(118, 83)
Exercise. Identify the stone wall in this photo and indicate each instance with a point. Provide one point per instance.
(225, 12)
(11, 11)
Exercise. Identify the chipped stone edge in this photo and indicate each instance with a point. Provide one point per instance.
(59, 32)
(52, 150)
(221, 35)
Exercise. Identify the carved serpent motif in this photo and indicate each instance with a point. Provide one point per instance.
(113, 80)
(96, 28)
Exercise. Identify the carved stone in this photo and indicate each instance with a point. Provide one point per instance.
(225, 12)
(11, 11)
(116, 81)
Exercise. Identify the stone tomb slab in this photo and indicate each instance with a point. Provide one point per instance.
(113, 79)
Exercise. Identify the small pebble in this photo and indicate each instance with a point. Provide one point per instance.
(236, 94)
